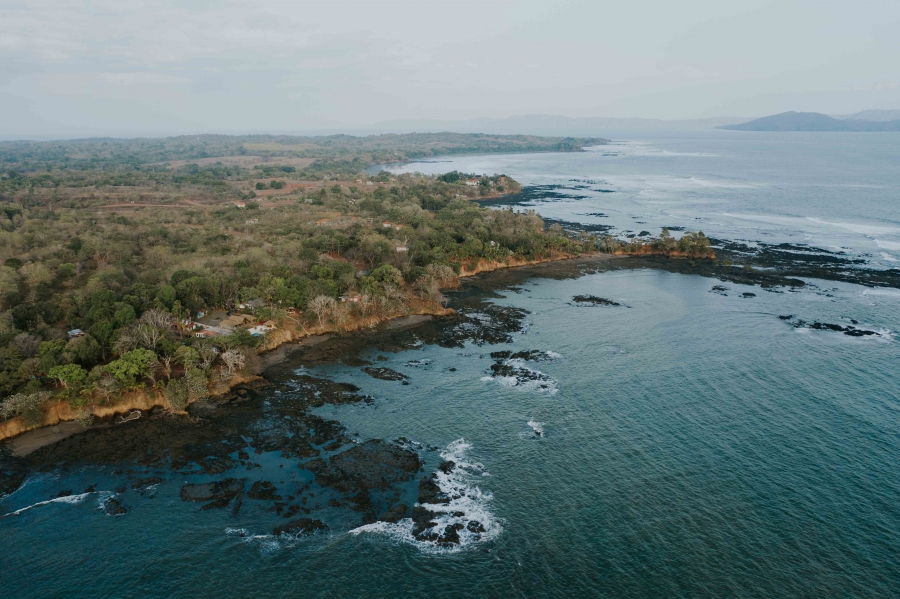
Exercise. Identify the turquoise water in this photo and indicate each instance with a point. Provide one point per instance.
(687, 443)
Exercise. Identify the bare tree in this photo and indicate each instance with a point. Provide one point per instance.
(234, 360)
(108, 386)
(127, 341)
(27, 345)
(157, 318)
(442, 273)
(151, 370)
(322, 306)
(207, 353)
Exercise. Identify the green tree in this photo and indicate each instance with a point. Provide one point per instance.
(131, 366)
(70, 375)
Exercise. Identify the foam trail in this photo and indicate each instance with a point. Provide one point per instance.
(537, 427)
(72, 499)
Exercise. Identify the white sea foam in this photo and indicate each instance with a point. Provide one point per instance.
(888, 245)
(537, 427)
(888, 257)
(522, 377)
(69, 499)
(862, 229)
(465, 498)
(892, 293)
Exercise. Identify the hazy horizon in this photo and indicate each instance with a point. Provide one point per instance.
(158, 68)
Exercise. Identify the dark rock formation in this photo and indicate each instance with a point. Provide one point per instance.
(13, 471)
(385, 374)
(594, 300)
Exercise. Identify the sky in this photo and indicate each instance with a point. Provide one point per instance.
(153, 67)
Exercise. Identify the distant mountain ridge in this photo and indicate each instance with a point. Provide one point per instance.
(812, 121)
(871, 115)
(552, 125)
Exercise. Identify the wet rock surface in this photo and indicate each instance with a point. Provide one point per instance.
(385, 374)
(367, 474)
(113, 507)
(217, 490)
(263, 489)
(848, 330)
(593, 300)
(510, 369)
(13, 471)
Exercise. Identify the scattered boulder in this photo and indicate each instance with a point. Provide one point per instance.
(113, 507)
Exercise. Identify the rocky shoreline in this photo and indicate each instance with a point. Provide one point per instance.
(370, 483)
(215, 444)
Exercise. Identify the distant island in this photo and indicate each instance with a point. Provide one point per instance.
(812, 121)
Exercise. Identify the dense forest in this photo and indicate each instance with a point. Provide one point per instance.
(112, 251)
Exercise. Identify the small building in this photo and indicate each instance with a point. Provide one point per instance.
(351, 298)
(252, 221)
(236, 320)
(472, 182)
(240, 204)
(76, 333)
(401, 248)
(205, 333)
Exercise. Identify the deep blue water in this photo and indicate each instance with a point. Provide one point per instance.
(693, 444)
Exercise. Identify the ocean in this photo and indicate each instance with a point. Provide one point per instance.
(633, 433)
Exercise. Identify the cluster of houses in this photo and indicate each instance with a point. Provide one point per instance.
(230, 323)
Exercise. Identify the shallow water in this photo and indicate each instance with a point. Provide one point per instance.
(696, 445)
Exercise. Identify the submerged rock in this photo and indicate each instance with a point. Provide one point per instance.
(218, 490)
(849, 330)
(113, 507)
(594, 300)
(263, 489)
(301, 526)
(385, 374)
(374, 464)
(143, 483)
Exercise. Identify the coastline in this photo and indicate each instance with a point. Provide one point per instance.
(60, 417)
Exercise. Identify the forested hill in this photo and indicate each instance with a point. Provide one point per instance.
(812, 121)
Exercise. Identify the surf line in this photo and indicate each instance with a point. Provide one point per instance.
(73, 499)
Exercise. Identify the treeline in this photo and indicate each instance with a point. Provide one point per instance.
(108, 153)
(129, 283)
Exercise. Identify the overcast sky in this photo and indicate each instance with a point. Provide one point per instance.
(158, 68)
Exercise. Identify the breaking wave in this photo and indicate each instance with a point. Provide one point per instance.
(466, 510)
(70, 499)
